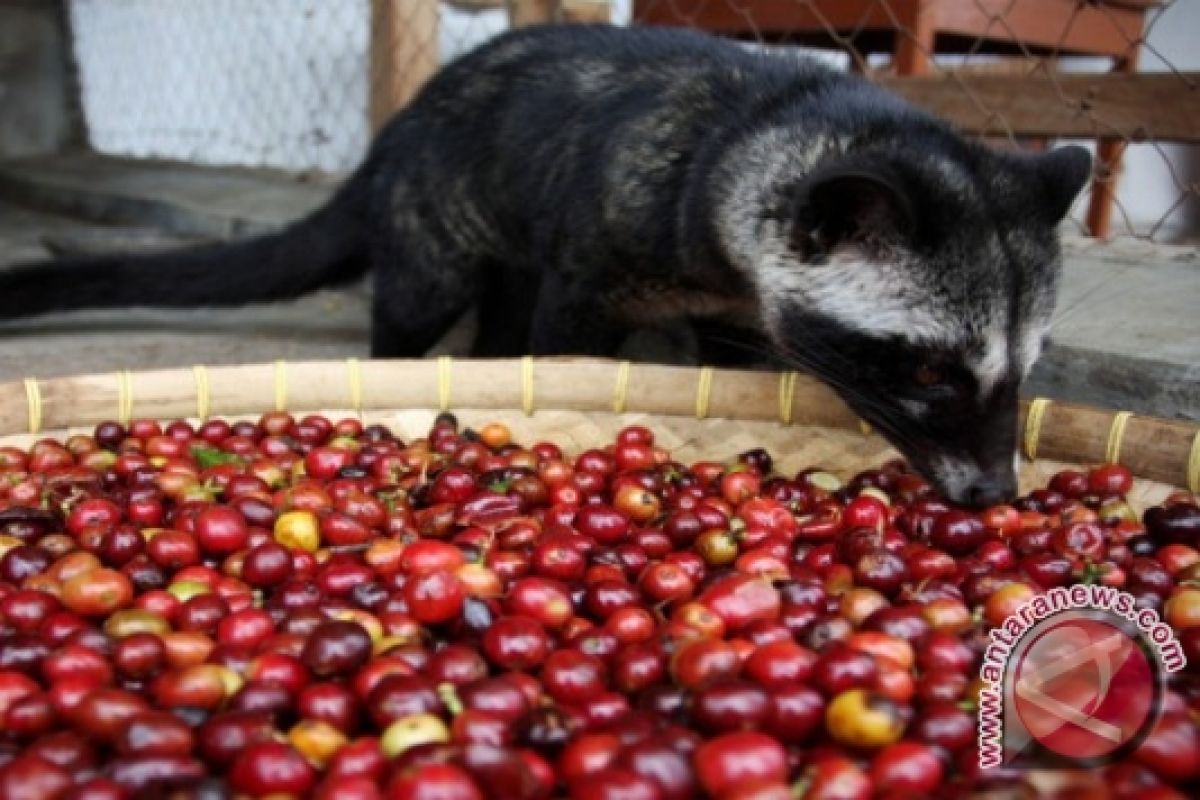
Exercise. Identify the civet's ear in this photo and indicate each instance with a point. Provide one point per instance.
(1064, 172)
(850, 204)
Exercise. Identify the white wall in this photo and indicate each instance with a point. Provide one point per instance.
(277, 83)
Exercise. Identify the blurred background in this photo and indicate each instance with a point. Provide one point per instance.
(152, 123)
(289, 84)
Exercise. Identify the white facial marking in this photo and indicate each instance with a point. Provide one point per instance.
(857, 292)
(762, 163)
(861, 294)
(991, 365)
(1030, 347)
(955, 476)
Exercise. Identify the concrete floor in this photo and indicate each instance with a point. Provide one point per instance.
(1128, 334)
(325, 324)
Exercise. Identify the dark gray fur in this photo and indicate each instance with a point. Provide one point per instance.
(582, 181)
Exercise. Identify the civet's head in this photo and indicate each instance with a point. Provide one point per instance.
(920, 283)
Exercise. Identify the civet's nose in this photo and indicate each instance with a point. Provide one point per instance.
(992, 490)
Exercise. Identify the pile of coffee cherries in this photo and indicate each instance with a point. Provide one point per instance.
(307, 608)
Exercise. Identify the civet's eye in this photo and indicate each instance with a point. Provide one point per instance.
(927, 376)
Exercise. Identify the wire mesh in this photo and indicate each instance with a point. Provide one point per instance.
(270, 83)
(300, 84)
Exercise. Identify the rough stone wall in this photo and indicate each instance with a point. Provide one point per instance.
(38, 110)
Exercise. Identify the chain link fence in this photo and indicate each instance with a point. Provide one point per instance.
(264, 83)
(300, 84)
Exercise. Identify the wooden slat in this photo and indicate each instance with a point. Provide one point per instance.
(475, 5)
(773, 16)
(1062, 26)
(1159, 107)
(533, 12)
(586, 11)
(1158, 449)
(1109, 28)
(404, 53)
(539, 12)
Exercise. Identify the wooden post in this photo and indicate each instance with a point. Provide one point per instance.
(1108, 168)
(404, 54)
(533, 12)
(914, 42)
(1062, 106)
(586, 11)
(540, 12)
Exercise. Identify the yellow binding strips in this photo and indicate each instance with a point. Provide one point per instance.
(443, 382)
(1193, 465)
(200, 373)
(281, 385)
(124, 396)
(703, 391)
(1033, 425)
(787, 395)
(1116, 433)
(33, 400)
(527, 385)
(621, 389)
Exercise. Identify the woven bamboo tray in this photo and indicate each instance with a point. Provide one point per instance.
(698, 413)
(580, 403)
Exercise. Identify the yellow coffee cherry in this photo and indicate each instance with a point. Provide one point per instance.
(413, 730)
(859, 718)
(298, 530)
(129, 621)
(316, 740)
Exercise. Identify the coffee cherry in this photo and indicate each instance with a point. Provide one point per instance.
(1110, 479)
(266, 768)
(836, 776)
(304, 607)
(603, 524)
(1182, 609)
(780, 664)
(957, 532)
(97, 593)
(221, 530)
(433, 781)
(742, 600)
(1006, 601)
(1174, 524)
(516, 643)
(734, 758)
(154, 733)
(946, 725)
(336, 648)
(637, 503)
(412, 731)
(32, 776)
(906, 767)
(858, 718)
(572, 677)
(1172, 749)
(298, 530)
(731, 706)
(435, 597)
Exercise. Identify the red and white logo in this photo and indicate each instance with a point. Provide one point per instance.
(1075, 675)
(1084, 688)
